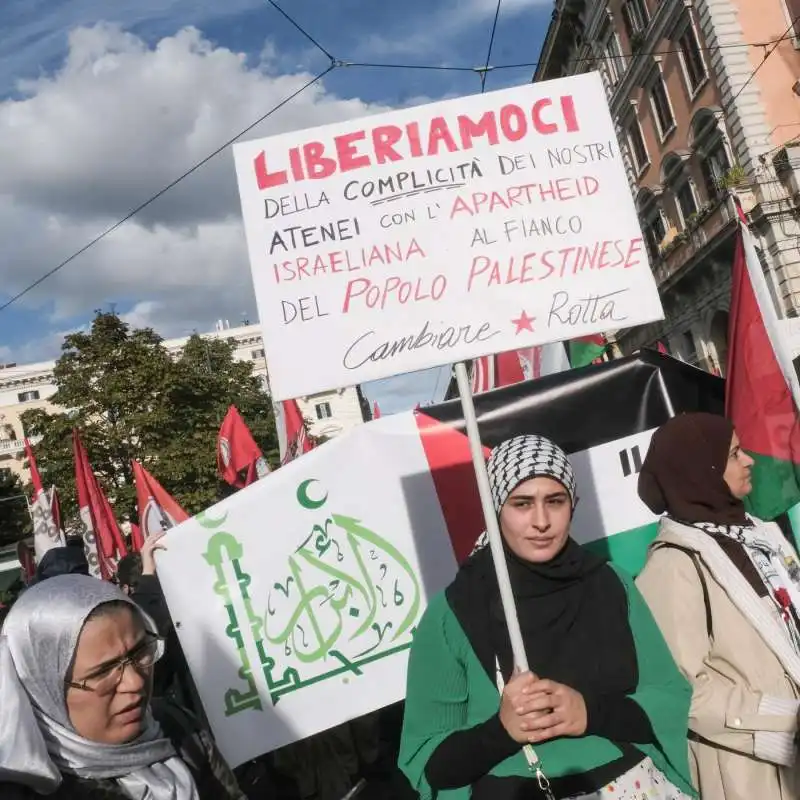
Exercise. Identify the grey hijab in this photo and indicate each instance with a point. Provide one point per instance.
(39, 639)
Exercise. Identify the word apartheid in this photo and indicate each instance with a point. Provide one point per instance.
(362, 149)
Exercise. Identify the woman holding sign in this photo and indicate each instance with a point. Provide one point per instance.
(725, 588)
(603, 709)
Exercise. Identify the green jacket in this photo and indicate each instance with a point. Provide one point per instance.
(448, 690)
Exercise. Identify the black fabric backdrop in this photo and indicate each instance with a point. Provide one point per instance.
(583, 408)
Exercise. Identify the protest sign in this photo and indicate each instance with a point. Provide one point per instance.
(296, 599)
(441, 233)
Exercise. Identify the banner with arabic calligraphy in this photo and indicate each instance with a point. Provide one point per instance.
(296, 599)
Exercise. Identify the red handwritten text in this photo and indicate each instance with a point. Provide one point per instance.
(383, 144)
(485, 272)
(560, 191)
(393, 290)
(335, 261)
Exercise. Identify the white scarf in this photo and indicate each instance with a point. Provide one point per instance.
(36, 650)
(776, 565)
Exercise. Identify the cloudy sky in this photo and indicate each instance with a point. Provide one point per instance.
(104, 104)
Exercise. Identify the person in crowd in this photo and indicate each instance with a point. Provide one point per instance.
(725, 589)
(67, 560)
(76, 717)
(137, 577)
(603, 710)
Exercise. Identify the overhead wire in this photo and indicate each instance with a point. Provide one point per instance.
(133, 212)
(336, 63)
(764, 60)
(487, 65)
(302, 30)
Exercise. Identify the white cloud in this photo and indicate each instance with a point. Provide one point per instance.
(117, 122)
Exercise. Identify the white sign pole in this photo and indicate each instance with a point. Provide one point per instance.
(490, 517)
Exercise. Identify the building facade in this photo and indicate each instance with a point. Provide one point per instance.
(30, 386)
(704, 97)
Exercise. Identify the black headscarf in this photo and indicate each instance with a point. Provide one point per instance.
(566, 606)
(682, 474)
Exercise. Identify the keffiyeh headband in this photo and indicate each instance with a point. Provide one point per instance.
(524, 457)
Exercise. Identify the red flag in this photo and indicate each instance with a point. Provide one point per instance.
(661, 349)
(376, 411)
(102, 537)
(158, 510)
(483, 374)
(55, 507)
(137, 540)
(508, 369)
(237, 451)
(294, 433)
(44, 511)
(36, 479)
(759, 396)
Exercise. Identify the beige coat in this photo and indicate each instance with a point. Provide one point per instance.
(745, 677)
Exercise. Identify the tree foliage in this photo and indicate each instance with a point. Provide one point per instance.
(15, 522)
(131, 399)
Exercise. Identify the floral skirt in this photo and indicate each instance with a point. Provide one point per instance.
(644, 782)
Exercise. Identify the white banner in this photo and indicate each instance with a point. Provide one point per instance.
(441, 233)
(296, 599)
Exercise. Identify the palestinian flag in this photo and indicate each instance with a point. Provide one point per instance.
(632, 396)
(762, 388)
(586, 350)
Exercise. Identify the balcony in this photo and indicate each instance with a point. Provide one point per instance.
(694, 241)
(14, 447)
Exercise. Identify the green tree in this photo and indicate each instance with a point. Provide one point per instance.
(15, 522)
(131, 399)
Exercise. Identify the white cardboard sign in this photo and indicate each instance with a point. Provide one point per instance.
(441, 233)
(296, 600)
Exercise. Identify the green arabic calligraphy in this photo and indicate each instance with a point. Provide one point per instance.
(337, 589)
(348, 599)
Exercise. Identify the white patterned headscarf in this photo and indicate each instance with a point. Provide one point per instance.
(37, 647)
(517, 460)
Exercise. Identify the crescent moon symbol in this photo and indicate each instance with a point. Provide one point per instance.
(305, 500)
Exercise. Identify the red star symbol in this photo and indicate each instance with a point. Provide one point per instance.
(524, 322)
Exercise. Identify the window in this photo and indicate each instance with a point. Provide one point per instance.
(715, 166)
(612, 55)
(684, 197)
(653, 221)
(692, 59)
(323, 410)
(709, 143)
(662, 109)
(27, 397)
(256, 354)
(636, 18)
(654, 231)
(637, 147)
(675, 176)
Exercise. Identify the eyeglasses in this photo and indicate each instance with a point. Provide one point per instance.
(108, 678)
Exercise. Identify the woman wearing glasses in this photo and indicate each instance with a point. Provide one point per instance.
(76, 720)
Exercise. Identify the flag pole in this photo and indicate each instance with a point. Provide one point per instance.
(490, 517)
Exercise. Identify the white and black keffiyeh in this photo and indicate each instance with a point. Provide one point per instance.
(519, 459)
(776, 566)
(524, 457)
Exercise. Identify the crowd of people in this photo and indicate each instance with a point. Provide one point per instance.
(682, 683)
